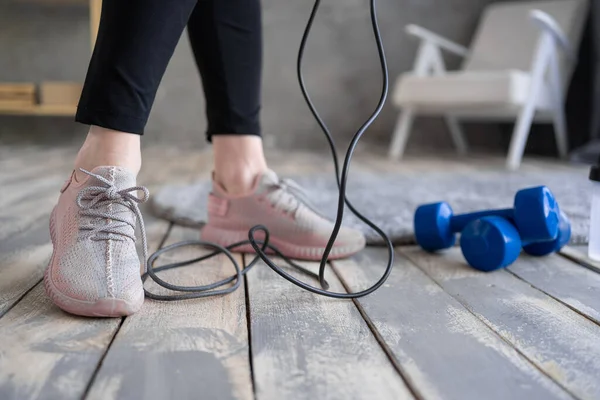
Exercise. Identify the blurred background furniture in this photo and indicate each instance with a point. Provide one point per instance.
(49, 98)
(585, 96)
(519, 74)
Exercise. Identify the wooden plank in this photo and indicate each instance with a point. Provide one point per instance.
(9, 89)
(580, 255)
(60, 93)
(564, 280)
(59, 110)
(25, 247)
(54, 2)
(17, 160)
(557, 340)
(24, 257)
(48, 354)
(23, 268)
(19, 166)
(443, 349)
(17, 94)
(24, 191)
(306, 346)
(24, 235)
(22, 176)
(27, 211)
(186, 349)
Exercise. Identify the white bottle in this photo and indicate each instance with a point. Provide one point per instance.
(594, 238)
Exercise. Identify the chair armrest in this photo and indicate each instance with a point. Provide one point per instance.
(434, 38)
(549, 25)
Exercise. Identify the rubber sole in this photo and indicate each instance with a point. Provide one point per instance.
(225, 237)
(104, 307)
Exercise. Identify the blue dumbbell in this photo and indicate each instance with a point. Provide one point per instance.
(492, 243)
(551, 246)
(535, 215)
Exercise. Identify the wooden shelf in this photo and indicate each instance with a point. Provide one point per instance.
(64, 110)
(53, 2)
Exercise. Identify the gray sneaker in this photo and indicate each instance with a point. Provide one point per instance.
(296, 228)
(95, 268)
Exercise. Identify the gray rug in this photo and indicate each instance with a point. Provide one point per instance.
(391, 199)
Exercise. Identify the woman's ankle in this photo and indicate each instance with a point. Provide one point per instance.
(239, 159)
(103, 147)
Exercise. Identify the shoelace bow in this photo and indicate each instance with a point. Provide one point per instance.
(290, 196)
(91, 197)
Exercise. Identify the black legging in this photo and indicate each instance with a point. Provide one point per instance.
(135, 42)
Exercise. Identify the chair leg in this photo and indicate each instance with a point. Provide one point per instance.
(458, 137)
(560, 120)
(560, 133)
(401, 133)
(519, 137)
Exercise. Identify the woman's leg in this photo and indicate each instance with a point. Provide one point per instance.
(136, 39)
(95, 268)
(226, 38)
(104, 146)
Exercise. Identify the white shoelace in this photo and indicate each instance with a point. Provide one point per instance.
(91, 198)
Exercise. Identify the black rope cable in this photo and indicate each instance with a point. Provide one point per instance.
(207, 290)
(260, 246)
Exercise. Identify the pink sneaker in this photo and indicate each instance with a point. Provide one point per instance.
(295, 229)
(95, 268)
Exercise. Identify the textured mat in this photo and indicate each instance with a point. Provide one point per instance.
(391, 199)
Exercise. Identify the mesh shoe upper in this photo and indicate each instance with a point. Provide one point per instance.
(283, 208)
(93, 230)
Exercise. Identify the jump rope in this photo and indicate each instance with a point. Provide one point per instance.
(259, 246)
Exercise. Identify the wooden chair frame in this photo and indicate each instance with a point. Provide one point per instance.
(544, 70)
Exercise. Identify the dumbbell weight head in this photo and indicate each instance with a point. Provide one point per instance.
(544, 248)
(432, 226)
(535, 214)
(490, 243)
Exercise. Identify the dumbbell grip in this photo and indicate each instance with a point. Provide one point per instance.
(460, 221)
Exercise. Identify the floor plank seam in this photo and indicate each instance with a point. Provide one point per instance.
(165, 236)
(249, 330)
(380, 340)
(491, 328)
(579, 262)
(554, 298)
(2, 314)
(88, 388)
(86, 392)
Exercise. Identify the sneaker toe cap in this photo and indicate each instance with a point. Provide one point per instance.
(85, 274)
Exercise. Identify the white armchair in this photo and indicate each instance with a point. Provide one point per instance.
(517, 68)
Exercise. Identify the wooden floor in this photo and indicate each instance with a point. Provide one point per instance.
(436, 330)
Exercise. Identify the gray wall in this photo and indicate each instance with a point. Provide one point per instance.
(342, 71)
